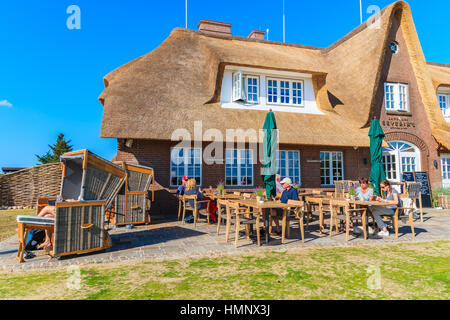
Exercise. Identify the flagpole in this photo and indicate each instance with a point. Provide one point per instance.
(360, 10)
(284, 37)
(186, 13)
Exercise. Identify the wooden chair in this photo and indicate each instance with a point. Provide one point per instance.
(247, 195)
(413, 192)
(296, 213)
(243, 217)
(237, 193)
(339, 189)
(180, 205)
(195, 211)
(405, 211)
(322, 209)
(348, 215)
(224, 213)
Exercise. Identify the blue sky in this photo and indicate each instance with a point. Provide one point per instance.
(51, 77)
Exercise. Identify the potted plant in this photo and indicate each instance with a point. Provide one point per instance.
(352, 192)
(259, 193)
(221, 187)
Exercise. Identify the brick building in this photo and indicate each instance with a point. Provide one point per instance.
(201, 83)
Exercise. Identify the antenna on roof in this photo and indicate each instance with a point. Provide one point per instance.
(284, 37)
(360, 11)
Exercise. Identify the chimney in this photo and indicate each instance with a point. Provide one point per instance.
(215, 27)
(257, 34)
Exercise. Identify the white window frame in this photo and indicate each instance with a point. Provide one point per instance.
(288, 168)
(291, 91)
(237, 87)
(331, 167)
(186, 163)
(445, 169)
(238, 163)
(446, 98)
(399, 101)
(246, 77)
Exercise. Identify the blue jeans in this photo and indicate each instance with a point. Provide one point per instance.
(379, 212)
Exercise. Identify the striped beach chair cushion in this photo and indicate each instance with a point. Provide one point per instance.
(36, 220)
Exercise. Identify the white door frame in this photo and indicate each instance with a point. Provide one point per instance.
(398, 150)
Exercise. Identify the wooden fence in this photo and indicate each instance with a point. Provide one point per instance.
(22, 188)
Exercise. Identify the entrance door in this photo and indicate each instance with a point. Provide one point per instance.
(400, 157)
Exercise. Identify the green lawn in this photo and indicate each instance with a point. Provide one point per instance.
(408, 271)
(8, 224)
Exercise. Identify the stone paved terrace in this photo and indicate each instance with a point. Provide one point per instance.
(165, 239)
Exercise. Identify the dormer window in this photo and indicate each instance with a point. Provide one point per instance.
(250, 88)
(396, 97)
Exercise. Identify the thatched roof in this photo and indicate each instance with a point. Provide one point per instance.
(180, 82)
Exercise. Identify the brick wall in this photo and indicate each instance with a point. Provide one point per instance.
(413, 126)
(22, 188)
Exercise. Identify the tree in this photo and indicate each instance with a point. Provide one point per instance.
(60, 147)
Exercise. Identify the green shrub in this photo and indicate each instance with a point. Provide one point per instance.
(440, 190)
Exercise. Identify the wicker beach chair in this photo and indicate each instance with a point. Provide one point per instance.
(91, 183)
(131, 204)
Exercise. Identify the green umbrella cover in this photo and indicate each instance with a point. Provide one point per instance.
(270, 146)
(377, 173)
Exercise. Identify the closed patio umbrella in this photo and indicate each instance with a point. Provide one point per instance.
(377, 173)
(270, 143)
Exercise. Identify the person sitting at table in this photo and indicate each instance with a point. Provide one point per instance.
(191, 189)
(280, 188)
(392, 196)
(363, 192)
(182, 188)
(289, 193)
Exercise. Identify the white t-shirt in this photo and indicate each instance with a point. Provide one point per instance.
(364, 196)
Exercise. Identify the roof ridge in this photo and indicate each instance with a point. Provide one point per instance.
(438, 64)
(240, 38)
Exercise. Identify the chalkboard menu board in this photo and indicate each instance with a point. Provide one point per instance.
(425, 191)
(408, 176)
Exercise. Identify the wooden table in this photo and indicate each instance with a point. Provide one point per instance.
(367, 204)
(229, 196)
(259, 206)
